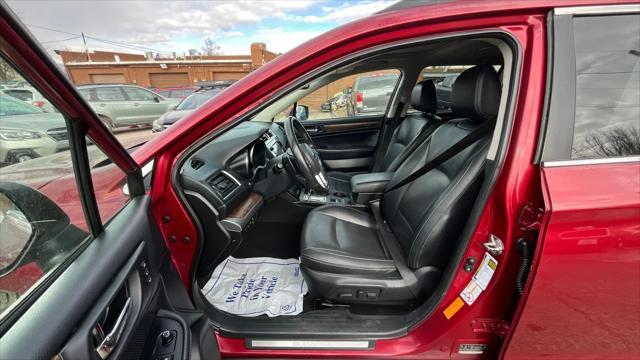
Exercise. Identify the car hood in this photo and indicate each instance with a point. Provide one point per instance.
(172, 116)
(33, 122)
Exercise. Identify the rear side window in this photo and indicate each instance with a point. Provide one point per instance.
(24, 95)
(85, 93)
(136, 94)
(109, 94)
(607, 87)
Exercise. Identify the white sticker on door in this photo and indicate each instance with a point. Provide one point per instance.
(471, 292)
(485, 271)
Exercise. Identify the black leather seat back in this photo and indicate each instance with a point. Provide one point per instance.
(423, 98)
(428, 214)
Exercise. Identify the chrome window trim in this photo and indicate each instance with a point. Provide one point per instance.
(598, 10)
(578, 162)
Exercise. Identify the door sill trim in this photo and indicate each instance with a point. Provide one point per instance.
(310, 344)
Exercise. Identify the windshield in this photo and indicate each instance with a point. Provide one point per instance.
(11, 106)
(195, 100)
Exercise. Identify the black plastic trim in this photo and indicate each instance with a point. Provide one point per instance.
(537, 158)
(562, 96)
(80, 159)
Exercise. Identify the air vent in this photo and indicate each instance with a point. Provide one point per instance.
(197, 164)
(223, 184)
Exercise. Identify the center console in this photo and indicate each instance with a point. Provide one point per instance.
(364, 189)
(330, 198)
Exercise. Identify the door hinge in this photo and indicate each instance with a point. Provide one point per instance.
(530, 217)
(490, 326)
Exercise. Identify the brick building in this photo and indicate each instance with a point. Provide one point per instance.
(113, 67)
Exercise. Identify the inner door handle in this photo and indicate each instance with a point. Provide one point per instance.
(314, 129)
(113, 338)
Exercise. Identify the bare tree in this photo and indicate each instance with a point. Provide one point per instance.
(210, 47)
(611, 142)
(7, 73)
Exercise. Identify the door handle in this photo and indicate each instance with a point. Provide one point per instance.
(314, 129)
(136, 104)
(113, 338)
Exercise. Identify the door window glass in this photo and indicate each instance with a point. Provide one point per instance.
(135, 94)
(365, 94)
(24, 95)
(85, 93)
(41, 218)
(607, 117)
(109, 94)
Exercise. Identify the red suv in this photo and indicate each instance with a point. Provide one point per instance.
(507, 226)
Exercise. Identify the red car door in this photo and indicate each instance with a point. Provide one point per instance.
(584, 300)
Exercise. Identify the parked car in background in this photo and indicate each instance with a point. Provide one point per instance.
(185, 107)
(371, 93)
(179, 92)
(29, 95)
(443, 90)
(122, 105)
(209, 84)
(27, 132)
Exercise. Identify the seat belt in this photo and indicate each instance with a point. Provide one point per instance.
(387, 131)
(462, 144)
(392, 245)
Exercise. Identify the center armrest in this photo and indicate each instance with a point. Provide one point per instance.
(367, 187)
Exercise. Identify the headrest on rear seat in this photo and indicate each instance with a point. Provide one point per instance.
(423, 97)
(476, 93)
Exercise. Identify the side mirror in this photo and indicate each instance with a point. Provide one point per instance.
(156, 99)
(302, 112)
(32, 227)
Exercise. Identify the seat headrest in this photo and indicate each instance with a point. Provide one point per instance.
(423, 97)
(476, 93)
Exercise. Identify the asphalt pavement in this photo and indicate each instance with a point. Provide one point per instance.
(134, 136)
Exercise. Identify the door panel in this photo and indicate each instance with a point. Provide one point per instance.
(347, 144)
(585, 296)
(127, 255)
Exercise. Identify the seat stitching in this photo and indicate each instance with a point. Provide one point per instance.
(413, 255)
(337, 253)
(360, 267)
(441, 199)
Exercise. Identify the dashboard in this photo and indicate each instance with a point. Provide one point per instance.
(225, 171)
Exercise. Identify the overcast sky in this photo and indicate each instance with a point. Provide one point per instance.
(183, 25)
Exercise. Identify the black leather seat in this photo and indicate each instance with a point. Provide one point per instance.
(343, 255)
(423, 98)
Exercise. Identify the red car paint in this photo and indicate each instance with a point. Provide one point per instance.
(568, 207)
(583, 303)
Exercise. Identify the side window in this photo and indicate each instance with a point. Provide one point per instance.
(443, 78)
(41, 217)
(135, 94)
(109, 94)
(24, 95)
(85, 93)
(354, 95)
(607, 110)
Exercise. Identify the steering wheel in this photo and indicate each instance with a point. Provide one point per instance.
(306, 157)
